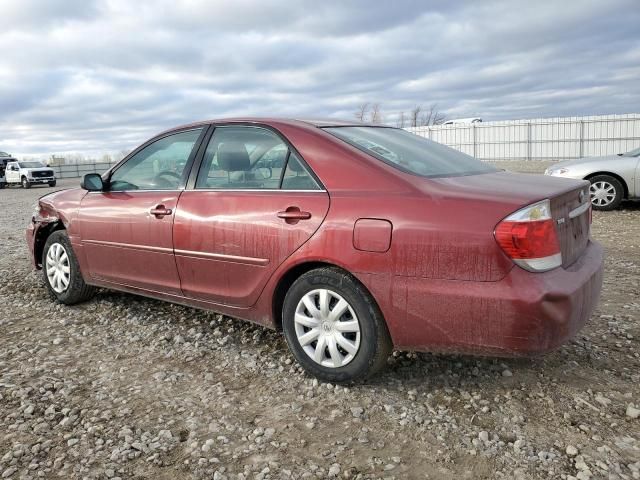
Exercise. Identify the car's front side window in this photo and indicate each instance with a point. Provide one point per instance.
(633, 153)
(158, 166)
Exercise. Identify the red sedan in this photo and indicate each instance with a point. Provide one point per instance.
(353, 239)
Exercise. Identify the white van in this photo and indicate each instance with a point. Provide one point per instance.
(457, 121)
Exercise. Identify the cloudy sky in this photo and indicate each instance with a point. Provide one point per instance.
(102, 76)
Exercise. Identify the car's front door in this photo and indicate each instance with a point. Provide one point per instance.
(12, 173)
(245, 215)
(126, 230)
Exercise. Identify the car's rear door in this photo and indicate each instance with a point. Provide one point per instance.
(242, 216)
(127, 230)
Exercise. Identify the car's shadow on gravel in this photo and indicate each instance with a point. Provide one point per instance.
(404, 369)
(631, 206)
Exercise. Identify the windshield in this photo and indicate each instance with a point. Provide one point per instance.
(410, 153)
(632, 153)
(30, 164)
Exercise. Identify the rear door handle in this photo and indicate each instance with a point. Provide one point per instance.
(160, 211)
(293, 215)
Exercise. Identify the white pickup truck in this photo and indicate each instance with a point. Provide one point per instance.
(29, 173)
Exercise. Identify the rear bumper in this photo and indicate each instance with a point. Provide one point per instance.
(523, 314)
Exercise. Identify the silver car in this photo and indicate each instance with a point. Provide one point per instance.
(613, 177)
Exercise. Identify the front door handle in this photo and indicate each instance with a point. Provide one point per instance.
(293, 215)
(160, 211)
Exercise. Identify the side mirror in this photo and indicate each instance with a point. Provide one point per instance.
(92, 182)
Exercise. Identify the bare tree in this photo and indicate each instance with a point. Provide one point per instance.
(361, 112)
(432, 116)
(415, 118)
(120, 155)
(376, 115)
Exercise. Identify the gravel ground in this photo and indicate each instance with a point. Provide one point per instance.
(125, 387)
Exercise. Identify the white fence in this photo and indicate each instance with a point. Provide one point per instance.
(540, 138)
(80, 169)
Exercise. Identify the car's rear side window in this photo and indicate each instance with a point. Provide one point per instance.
(410, 153)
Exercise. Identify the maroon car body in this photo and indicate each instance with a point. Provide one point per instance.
(424, 248)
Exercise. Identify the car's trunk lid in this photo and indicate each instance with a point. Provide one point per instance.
(570, 211)
(512, 191)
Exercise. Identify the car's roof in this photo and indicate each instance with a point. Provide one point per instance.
(315, 122)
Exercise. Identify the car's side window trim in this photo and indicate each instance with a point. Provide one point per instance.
(187, 168)
(197, 163)
(284, 169)
(191, 182)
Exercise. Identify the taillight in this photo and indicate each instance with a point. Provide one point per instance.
(529, 238)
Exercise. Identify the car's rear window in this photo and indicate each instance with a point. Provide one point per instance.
(410, 153)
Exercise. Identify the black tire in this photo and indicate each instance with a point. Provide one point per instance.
(375, 342)
(52, 184)
(2, 185)
(25, 183)
(77, 290)
(608, 182)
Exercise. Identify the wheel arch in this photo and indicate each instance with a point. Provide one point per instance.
(41, 238)
(295, 272)
(625, 193)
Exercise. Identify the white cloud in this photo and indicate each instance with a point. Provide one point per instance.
(104, 75)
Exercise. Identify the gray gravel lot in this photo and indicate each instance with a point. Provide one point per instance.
(125, 387)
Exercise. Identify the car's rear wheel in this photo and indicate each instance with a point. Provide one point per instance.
(606, 192)
(61, 271)
(334, 327)
(25, 183)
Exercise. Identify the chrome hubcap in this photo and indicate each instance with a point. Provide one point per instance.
(327, 328)
(602, 193)
(58, 269)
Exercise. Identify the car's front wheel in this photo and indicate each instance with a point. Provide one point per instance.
(25, 183)
(606, 192)
(334, 327)
(61, 271)
(52, 184)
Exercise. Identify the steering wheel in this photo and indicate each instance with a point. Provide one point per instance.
(167, 173)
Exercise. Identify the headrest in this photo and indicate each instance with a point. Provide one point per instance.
(233, 157)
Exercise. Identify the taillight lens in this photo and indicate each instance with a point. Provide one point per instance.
(529, 238)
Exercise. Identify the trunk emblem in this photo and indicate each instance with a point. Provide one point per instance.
(560, 221)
